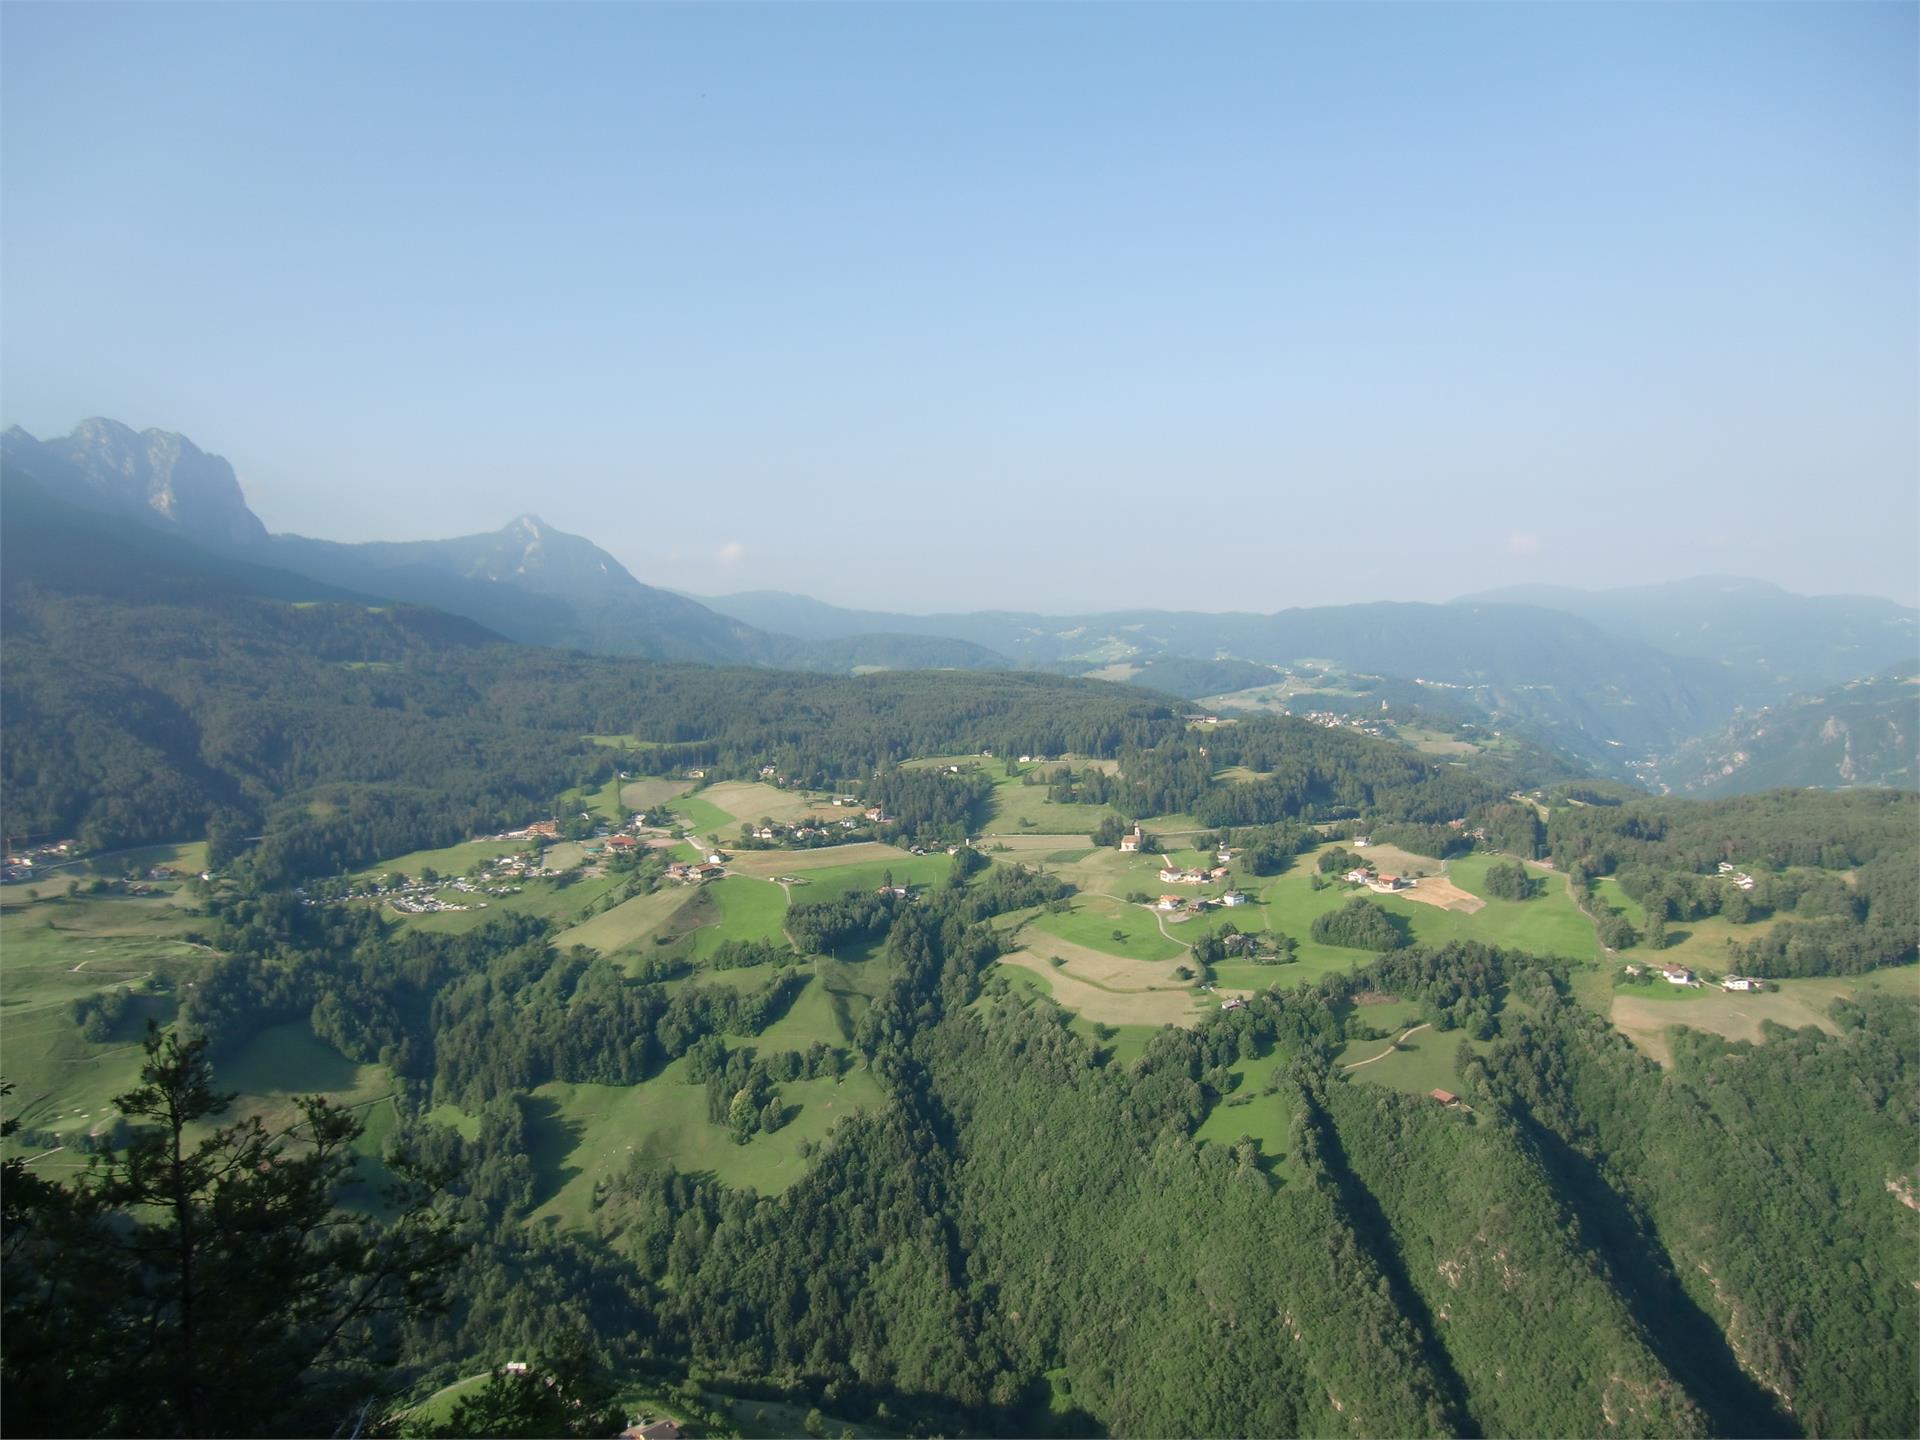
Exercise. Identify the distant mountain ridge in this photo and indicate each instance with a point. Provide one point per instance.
(1794, 643)
(1619, 679)
(1858, 734)
(526, 581)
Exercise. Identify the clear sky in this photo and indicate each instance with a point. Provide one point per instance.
(1057, 307)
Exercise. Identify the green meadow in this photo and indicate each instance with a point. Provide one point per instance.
(704, 818)
(1423, 1061)
(1247, 1110)
(188, 859)
(741, 908)
(1095, 919)
(1549, 924)
(59, 950)
(831, 882)
(583, 1134)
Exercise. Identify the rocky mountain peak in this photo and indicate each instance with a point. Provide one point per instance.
(156, 474)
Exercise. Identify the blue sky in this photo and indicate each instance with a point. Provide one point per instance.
(1056, 307)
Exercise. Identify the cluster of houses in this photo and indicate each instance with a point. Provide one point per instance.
(1328, 720)
(712, 868)
(1175, 904)
(1171, 876)
(799, 834)
(1740, 878)
(1380, 884)
(1681, 975)
(31, 863)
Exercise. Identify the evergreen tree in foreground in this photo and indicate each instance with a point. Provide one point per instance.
(205, 1282)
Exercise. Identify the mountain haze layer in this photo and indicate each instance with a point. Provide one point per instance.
(1621, 681)
(527, 581)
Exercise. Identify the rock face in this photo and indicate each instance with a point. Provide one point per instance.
(154, 474)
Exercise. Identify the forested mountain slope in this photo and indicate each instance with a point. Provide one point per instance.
(1861, 732)
(527, 581)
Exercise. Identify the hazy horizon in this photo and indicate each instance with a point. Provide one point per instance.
(955, 308)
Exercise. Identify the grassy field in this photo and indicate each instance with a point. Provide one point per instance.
(1644, 1013)
(283, 1061)
(704, 817)
(1093, 922)
(1248, 1111)
(750, 801)
(652, 790)
(584, 1133)
(831, 1006)
(1152, 1000)
(60, 950)
(188, 859)
(742, 908)
(1550, 924)
(632, 922)
(452, 860)
(1019, 808)
(830, 882)
(1423, 1062)
(1116, 1042)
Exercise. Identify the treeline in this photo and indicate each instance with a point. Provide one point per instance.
(1839, 867)
(343, 734)
(470, 1017)
(929, 805)
(1304, 772)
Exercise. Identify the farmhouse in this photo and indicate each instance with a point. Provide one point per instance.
(1387, 884)
(645, 1429)
(1358, 876)
(768, 771)
(710, 871)
(1742, 982)
(877, 814)
(1130, 844)
(1360, 842)
(1236, 1003)
(1233, 897)
(1445, 1097)
(1169, 902)
(1676, 974)
(621, 842)
(1218, 872)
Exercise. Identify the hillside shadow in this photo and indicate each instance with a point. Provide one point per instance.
(551, 1138)
(1686, 1338)
(1375, 1234)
